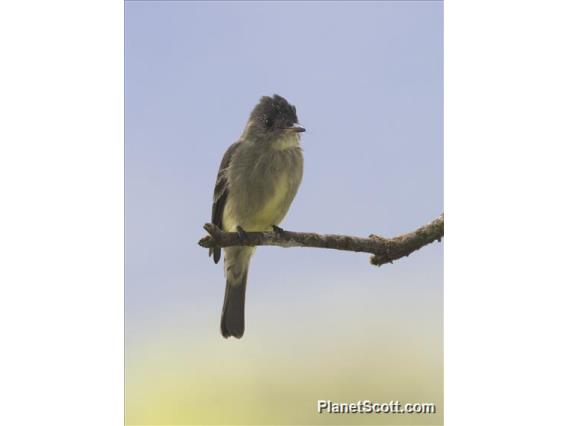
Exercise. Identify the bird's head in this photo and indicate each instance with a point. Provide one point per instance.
(273, 118)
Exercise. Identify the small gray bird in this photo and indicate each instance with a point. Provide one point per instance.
(257, 181)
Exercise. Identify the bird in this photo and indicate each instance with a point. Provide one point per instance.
(257, 181)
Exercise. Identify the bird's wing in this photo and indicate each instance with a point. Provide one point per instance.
(220, 196)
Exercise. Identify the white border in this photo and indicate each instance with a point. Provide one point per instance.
(61, 216)
(506, 120)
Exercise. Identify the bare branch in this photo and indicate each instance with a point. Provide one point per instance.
(384, 250)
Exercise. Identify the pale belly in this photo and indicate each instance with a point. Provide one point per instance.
(269, 212)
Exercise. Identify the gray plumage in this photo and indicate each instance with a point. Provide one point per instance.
(257, 181)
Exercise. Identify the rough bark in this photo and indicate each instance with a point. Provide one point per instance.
(384, 250)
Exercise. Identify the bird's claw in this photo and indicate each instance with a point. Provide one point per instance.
(242, 234)
(277, 230)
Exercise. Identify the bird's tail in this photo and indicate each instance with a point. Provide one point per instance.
(236, 269)
(233, 316)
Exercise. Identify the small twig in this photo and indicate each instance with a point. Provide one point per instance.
(384, 250)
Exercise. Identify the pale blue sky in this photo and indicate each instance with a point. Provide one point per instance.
(366, 79)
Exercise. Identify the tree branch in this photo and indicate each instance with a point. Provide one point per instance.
(384, 250)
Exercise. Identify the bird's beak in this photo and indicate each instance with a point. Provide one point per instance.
(297, 128)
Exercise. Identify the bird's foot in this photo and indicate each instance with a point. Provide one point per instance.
(242, 234)
(277, 230)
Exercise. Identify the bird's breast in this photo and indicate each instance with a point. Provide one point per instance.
(261, 192)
